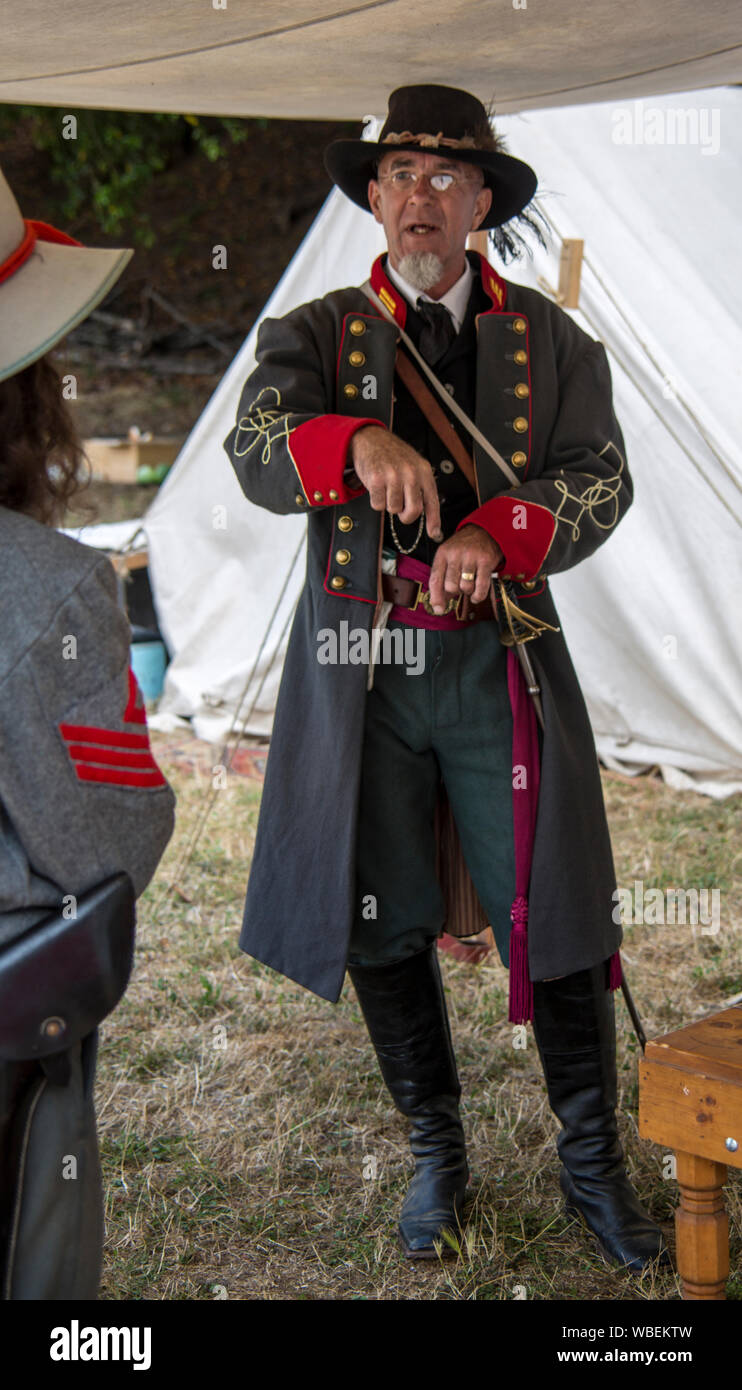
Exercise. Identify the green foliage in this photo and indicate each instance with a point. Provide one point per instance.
(101, 163)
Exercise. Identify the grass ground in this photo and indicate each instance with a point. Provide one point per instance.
(249, 1148)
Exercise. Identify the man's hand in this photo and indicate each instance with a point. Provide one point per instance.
(396, 477)
(470, 551)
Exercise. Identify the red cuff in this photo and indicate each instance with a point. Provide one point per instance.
(523, 530)
(320, 451)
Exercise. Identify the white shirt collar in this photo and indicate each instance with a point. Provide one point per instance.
(455, 299)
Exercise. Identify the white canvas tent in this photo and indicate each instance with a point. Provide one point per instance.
(653, 619)
(661, 288)
(315, 58)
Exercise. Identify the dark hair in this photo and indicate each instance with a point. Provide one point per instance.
(41, 454)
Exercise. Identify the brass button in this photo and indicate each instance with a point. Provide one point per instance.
(53, 1027)
(520, 424)
(357, 327)
(299, 500)
(333, 495)
(345, 523)
(520, 576)
(357, 358)
(521, 390)
(317, 496)
(519, 325)
(529, 583)
(518, 458)
(520, 357)
(338, 581)
(350, 391)
(342, 556)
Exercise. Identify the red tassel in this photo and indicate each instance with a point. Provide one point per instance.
(521, 988)
(615, 972)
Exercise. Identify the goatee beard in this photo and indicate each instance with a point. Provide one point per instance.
(423, 269)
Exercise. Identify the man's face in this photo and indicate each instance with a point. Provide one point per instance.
(421, 219)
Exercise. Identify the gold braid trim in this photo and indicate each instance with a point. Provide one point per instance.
(601, 492)
(257, 425)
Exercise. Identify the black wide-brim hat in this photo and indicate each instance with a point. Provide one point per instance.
(436, 120)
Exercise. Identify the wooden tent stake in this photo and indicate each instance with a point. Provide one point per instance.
(570, 269)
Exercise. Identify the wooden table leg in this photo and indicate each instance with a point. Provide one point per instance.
(701, 1227)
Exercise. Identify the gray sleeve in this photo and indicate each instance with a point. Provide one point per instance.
(81, 795)
(559, 517)
(288, 448)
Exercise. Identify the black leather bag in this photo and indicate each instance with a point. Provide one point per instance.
(64, 975)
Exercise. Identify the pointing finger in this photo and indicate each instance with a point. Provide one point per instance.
(432, 506)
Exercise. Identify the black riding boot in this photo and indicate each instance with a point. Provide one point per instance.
(574, 1024)
(405, 1011)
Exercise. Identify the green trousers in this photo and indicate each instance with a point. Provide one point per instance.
(453, 721)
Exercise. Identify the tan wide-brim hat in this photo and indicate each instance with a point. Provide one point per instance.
(48, 284)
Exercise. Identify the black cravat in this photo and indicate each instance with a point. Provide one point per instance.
(438, 330)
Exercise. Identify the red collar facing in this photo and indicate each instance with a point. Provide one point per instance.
(392, 298)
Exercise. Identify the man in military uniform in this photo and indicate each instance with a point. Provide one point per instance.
(344, 871)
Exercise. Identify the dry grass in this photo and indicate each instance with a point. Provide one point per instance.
(238, 1112)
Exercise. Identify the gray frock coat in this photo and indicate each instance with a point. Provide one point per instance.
(543, 394)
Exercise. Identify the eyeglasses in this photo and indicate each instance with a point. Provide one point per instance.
(406, 180)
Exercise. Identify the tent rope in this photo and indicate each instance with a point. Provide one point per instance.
(189, 849)
(643, 392)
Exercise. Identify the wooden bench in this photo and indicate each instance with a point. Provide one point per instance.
(690, 1101)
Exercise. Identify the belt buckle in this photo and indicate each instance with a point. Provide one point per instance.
(418, 595)
(423, 599)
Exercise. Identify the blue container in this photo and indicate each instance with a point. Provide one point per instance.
(148, 662)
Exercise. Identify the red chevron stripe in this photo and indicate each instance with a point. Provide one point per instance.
(134, 713)
(120, 778)
(80, 753)
(89, 733)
